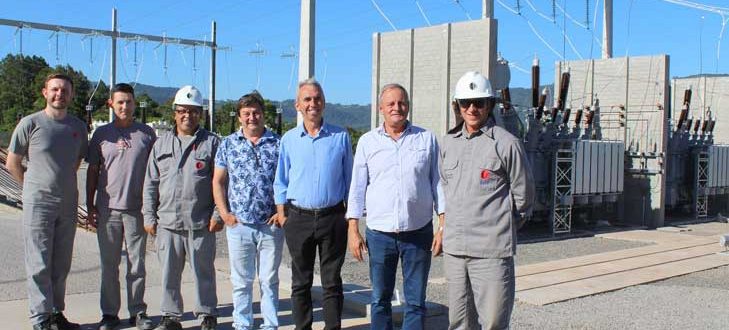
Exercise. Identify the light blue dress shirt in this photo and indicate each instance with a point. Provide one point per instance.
(313, 172)
(396, 181)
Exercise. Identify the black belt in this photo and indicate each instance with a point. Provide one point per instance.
(336, 208)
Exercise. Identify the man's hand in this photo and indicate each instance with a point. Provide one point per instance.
(229, 219)
(281, 212)
(273, 220)
(215, 226)
(92, 215)
(437, 246)
(151, 229)
(356, 244)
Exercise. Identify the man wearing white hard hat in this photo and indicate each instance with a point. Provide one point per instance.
(489, 193)
(179, 210)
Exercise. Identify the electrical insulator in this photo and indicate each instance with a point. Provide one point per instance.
(622, 118)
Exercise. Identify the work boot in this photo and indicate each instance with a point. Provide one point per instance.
(208, 323)
(45, 325)
(141, 321)
(60, 322)
(109, 322)
(169, 323)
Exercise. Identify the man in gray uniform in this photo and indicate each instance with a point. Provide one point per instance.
(54, 143)
(178, 208)
(489, 193)
(117, 162)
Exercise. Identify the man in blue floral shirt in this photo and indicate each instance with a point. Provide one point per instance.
(245, 166)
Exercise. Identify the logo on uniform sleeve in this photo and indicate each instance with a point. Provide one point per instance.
(199, 165)
(485, 174)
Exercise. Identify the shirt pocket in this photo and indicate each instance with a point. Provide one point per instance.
(450, 169)
(201, 166)
(165, 162)
(490, 175)
(419, 155)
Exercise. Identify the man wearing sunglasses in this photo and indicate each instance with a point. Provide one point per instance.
(179, 210)
(489, 193)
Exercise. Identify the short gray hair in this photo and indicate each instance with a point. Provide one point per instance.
(394, 86)
(310, 82)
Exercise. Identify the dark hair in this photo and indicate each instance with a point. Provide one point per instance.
(122, 88)
(253, 98)
(57, 75)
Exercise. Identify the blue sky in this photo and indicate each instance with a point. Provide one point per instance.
(344, 38)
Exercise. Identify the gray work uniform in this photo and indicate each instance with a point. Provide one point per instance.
(53, 149)
(121, 155)
(489, 191)
(178, 198)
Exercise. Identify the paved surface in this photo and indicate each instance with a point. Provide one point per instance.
(696, 301)
(82, 298)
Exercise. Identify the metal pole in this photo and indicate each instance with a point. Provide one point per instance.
(488, 9)
(306, 44)
(211, 99)
(112, 64)
(607, 30)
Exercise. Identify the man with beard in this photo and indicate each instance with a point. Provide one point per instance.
(54, 142)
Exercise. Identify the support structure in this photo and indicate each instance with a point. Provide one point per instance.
(702, 178)
(211, 97)
(488, 9)
(607, 30)
(562, 193)
(307, 43)
(115, 34)
(112, 67)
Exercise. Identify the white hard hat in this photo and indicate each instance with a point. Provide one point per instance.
(473, 85)
(189, 95)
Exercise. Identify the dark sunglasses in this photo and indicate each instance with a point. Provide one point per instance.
(478, 103)
(187, 111)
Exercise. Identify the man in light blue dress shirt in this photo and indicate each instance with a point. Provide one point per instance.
(312, 179)
(395, 179)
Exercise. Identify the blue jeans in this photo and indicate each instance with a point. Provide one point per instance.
(254, 249)
(413, 248)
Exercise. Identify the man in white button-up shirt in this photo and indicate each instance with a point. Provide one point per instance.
(395, 179)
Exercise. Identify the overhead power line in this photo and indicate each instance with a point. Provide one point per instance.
(379, 10)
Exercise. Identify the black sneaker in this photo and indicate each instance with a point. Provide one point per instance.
(60, 322)
(109, 322)
(169, 323)
(142, 321)
(209, 323)
(45, 325)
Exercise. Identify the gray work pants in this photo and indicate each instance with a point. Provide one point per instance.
(48, 234)
(198, 248)
(117, 228)
(480, 291)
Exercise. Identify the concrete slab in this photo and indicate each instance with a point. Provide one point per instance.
(612, 267)
(615, 281)
(689, 249)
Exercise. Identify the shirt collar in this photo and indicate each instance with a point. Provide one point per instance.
(267, 134)
(324, 128)
(407, 129)
(487, 129)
